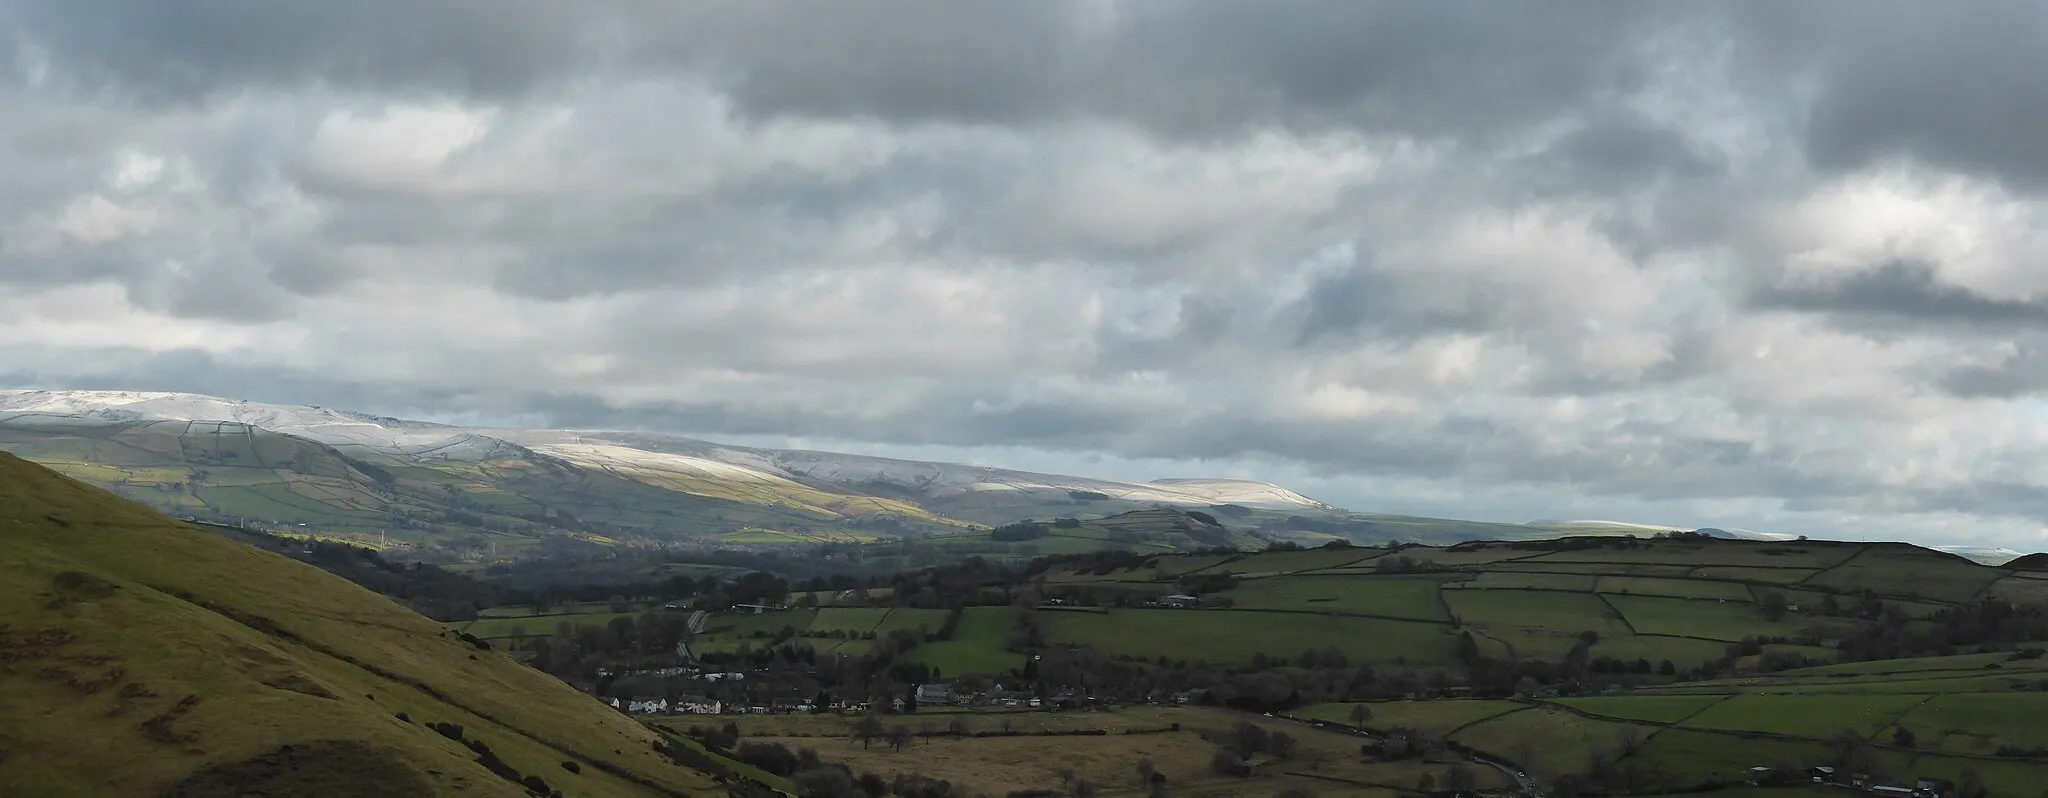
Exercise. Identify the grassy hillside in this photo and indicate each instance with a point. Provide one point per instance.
(139, 656)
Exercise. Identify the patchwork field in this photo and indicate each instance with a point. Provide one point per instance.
(1549, 742)
(1709, 619)
(977, 644)
(1538, 609)
(1676, 588)
(1324, 762)
(1655, 709)
(1814, 716)
(1435, 717)
(1413, 598)
(1237, 635)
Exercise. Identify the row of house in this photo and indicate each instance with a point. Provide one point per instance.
(686, 705)
(1923, 787)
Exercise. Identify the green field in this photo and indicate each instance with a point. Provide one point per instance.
(1980, 724)
(977, 644)
(927, 621)
(538, 625)
(1909, 572)
(1813, 716)
(1683, 652)
(1779, 576)
(1509, 580)
(1225, 636)
(1594, 568)
(1547, 741)
(1703, 618)
(1651, 709)
(848, 620)
(1536, 609)
(1407, 597)
(1677, 588)
(1288, 562)
(1435, 717)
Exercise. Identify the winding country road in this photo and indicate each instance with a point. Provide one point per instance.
(1525, 783)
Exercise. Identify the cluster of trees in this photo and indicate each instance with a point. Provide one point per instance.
(1243, 741)
(1987, 624)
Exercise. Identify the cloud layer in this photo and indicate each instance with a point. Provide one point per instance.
(1762, 265)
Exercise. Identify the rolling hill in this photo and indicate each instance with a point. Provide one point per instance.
(465, 491)
(204, 667)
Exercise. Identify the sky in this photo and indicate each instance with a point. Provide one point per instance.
(1753, 264)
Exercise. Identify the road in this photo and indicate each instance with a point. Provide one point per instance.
(1527, 784)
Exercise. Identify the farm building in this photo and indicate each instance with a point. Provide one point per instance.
(1179, 600)
(934, 694)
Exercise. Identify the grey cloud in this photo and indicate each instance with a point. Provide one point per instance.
(1363, 300)
(1901, 292)
(1194, 70)
(187, 52)
(1619, 151)
(1953, 86)
(2024, 373)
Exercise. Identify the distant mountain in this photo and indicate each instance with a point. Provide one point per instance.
(478, 491)
(339, 473)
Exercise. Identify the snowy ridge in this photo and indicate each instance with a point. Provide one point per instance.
(1628, 526)
(1243, 492)
(1983, 555)
(854, 475)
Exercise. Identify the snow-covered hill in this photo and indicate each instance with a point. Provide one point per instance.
(976, 491)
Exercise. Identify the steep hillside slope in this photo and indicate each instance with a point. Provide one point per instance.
(139, 656)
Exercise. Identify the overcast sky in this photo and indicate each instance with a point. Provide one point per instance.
(1759, 264)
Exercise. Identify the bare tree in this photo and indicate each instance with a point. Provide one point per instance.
(1359, 715)
(899, 737)
(867, 729)
(1145, 770)
(1629, 739)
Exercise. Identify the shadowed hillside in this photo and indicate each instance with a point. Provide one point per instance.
(204, 667)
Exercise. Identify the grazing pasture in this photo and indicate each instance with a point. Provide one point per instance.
(1548, 741)
(1649, 708)
(1536, 609)
(1435, 717)
(1980, 724)
(1236, 635)
(1812, 716)
(1778, 576)
(1675, 588)
(1901, 570)
(1511, 580)
(1410, 597)
(1709, 619)
(977, 644)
